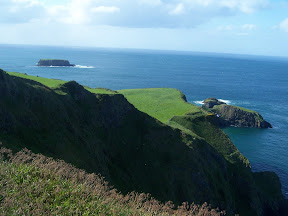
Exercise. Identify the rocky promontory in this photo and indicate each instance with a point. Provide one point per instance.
(229, 115)
(54, 62)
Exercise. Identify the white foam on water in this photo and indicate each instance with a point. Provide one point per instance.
(225, 101)
(76, 66)
(51, 66)
(199, 102)
(83, 66)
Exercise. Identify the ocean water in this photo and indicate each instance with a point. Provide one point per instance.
(255, 82)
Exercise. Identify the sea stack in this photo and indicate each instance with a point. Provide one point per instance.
(54, 62)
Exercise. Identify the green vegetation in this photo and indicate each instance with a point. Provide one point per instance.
(104, 134)
(168, 106)
(217, 107)
(160, 103)
(49, 187)
(239, 116)
(55, 83)
(51, 83)
(245, 109)
(100, 90)
(205, 128)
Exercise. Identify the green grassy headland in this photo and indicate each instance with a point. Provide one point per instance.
(160, 103)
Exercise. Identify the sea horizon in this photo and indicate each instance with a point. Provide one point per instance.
(166, 51)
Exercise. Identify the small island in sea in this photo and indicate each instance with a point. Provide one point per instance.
(54, 62)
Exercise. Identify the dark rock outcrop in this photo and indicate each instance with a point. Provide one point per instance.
(211, 102)
(229, 115)
(54, 62)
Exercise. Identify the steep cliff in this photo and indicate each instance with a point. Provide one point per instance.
(105, 134)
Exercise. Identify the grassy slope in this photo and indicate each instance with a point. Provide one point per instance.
(160, 103)
(54, 83)
(168, 106)
(33, 184)
(51, 83)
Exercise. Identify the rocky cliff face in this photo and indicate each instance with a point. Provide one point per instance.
(54, 62)
(229, 115)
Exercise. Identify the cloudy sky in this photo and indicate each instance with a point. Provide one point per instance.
(227, 26)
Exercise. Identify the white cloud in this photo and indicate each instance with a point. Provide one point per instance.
(104, 9)
(242, 34)
(129, 13)
(150, 2)
(21, 11)
(284, 25)
(238, 30)
(248, 27)
(245, 28)
(244, 6)
(225, 28)
(179, 9)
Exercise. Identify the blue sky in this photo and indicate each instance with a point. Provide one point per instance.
(227, 26)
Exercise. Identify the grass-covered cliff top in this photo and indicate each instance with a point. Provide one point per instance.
(55, 83)
(160, 103)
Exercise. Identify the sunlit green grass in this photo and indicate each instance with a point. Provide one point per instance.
(55, 83)
(160, 103)
(100, 90)
(51, 83)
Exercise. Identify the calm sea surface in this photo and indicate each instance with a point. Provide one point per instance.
(254, 82)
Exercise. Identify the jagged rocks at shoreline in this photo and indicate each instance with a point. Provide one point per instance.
(229, 115)
(54, 62)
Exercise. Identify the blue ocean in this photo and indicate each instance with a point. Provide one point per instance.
(255, 82)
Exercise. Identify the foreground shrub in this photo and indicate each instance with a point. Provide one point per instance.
(32, 184)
